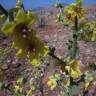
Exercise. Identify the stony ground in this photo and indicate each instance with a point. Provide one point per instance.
(54, 35)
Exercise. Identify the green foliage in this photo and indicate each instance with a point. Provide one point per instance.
(18, 88)
(94, 35)
(19, 4)
(12, 13)
(93, 66)
(73, 49)
(88, 31)
(74, 10)
(25, 37)
(59, 5)
(3, 10)
(28, 44)
(3, 18)
(59, 18)
(53, 79)
(2, 86)
(8, 28)
(74, 90)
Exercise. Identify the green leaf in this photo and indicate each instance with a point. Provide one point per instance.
(8, 28)
(21, 16)
(32, 18)
(57, 76)
(30, 92)
(12, 12)
(3, 17)
(2, 86)
(35, 62)
(21, 53)
(30, 15)
(94, 35)
(79, 2)
(59, 5)
(19, 3)
(74, 90)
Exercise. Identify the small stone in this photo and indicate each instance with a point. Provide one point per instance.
(47, 64)
(7, 84)
(4, 44)
(16, 65)
(46, 38)
(5, 67)
(59, 30)
(8, 61)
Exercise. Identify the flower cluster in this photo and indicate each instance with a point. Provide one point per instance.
(25, 38)
(73, 10)
(74, 69)
(18, 88)
(52, 82)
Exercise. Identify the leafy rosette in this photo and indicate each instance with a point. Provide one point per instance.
(25, 38)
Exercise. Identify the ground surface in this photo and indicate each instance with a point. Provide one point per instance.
(54, 35)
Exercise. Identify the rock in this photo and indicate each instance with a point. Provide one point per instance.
(59, 30)
(4, 67)
(46, 38)
(16, 65)
(7, 84)
(4, 44)
(8, 61)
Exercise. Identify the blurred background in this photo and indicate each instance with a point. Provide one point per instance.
(31, 4)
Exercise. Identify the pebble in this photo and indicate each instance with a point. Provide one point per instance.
(16, 65)
(5, 67)
(46, 38)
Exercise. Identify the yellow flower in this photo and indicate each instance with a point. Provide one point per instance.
(74, 68)
(18, 88)
(62, 93)
(75, 73)
(52, 83)
(67, 82)
(59, 18)
(36, 50)
(20, 81)
(25, 38)
(88, 80)
(86, 85)
(19, 85)
(73, 10)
